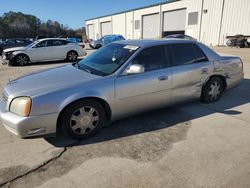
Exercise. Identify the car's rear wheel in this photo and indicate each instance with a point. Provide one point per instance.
(98, 46)
(82, 119)
(212, 91)
(72, 56)
(21, 60)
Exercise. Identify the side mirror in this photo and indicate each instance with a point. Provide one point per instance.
(135, 69)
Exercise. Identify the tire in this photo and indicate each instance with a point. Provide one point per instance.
(212, 91)
(229, 43)
(21, 60)
(1, 51)
(82, 119)
(98, 46)
(72, 56)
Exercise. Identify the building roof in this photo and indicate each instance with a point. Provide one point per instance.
(157, 4)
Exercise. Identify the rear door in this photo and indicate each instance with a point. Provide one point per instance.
(146, 90)
(59, 49)
(191, 69)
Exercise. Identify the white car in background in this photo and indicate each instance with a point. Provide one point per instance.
(48, 49)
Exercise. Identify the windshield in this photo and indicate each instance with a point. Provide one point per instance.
(108, 59)
(33, 43)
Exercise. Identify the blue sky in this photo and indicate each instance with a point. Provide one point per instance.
(71, 12)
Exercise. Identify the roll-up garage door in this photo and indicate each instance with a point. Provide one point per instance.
(174, 22)
(150, 28)
(106, 28)
(91, 31)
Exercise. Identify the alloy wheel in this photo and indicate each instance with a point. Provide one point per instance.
(84, 120)
(22, 60)
(214, 91)
(72, 56)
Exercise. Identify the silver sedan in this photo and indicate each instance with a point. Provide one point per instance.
(121, 79)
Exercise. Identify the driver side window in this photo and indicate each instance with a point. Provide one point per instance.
(41, 44)
(152, 58)
(45, 43)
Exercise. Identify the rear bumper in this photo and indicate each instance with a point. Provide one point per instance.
(32, 126)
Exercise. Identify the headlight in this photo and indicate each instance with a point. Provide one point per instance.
(21, 106)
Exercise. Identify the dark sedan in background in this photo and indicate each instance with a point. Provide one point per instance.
(180, 36)
(11, 43)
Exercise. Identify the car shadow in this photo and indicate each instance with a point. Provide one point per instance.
(164, 118)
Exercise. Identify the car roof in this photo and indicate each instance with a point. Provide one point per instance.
(212, 56)
(153, 42)
(111, 35)
(51, 39)
(176, 35)
(16, 39)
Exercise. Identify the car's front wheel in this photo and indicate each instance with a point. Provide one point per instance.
(212, 91)
(82, 119)
(21, 60)
(72, 56)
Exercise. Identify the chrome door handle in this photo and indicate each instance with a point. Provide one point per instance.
(204, 71)
(162, 78)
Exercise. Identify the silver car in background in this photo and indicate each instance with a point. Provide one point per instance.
(121, 79)
(48, 49)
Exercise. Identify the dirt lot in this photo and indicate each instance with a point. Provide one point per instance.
(189, 145)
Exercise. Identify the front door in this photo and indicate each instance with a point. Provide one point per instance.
(41, 51)
(147, 90)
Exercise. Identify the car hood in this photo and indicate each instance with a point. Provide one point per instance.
(49, 80)
(14, 49)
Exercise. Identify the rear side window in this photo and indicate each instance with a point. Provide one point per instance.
(200, 56)
(152, 58)
(182, 54)
(57, 42)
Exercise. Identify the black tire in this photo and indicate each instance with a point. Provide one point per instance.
(21, 60)
(209, 93)
(98, 46)
(229, 43)
(66, 123)
(72, 56)
(1, 51)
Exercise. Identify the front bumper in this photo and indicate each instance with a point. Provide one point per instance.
(3, 60)
(32, 126)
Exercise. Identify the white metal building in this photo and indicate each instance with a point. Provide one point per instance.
(209, 21)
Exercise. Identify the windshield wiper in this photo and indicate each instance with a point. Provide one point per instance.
(76, 64)
(86, 70)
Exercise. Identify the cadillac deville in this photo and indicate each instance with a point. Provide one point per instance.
(121, 79)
